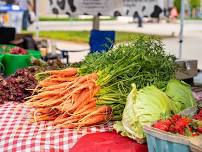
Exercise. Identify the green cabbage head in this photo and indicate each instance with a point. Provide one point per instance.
(143, 107)
(180, 92)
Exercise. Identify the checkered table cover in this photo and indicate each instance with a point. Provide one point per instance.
(17, 134)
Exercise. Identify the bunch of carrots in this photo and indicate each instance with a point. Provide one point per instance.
(67, 99)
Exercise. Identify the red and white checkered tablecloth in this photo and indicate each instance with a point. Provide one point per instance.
(17, 134)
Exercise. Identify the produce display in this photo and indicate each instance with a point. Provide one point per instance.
(5, 48)
(133, 84)
(12, 49)
(150, 104)
(142, 61)
(49, 65)
(143, 106)
(181, 94)
(183, 125)
(18, 50)
(68, 100)
(16, 87)
(198, 116)
(20, 85)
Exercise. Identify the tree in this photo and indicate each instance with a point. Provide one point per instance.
(177, 4)
(194, 3)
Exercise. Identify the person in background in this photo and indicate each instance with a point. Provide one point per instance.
(156, 13)
(32, 16)
(173, 14)
(24, 5)
(139, 19)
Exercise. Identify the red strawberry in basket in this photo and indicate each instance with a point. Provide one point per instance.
(162, 125)
(200, 113)
(175, 118)
(195, 134)
(199, 130)
(181, 124)
(172, 128)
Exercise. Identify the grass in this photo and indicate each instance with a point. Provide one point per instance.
(83, 36)
(193, 18)
(75, 36)
(71, 19)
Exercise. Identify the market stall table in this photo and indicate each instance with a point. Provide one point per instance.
(18, 134)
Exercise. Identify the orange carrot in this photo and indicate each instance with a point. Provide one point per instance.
(69, 126)
(88, 84)
(82, 98)
(68, 79)
(47, 103)
(92, 76)
(81, 81)
(48, 118)
(61, 116)
(42, 110)
(97, 119)
(65, 106)
(100, 110)
(66, 120)
(90, 105)
(58, 86)
(47, 83)
(66, 72)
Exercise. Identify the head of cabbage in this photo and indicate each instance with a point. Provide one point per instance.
(142, 107)
(181, 95)
(149, 104)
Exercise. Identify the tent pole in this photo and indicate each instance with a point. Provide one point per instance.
(181, 28)
(96, 23)
(37, 18)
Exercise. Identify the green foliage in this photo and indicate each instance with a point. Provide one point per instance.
(177, 4)
(83, 36)
(194, 3)
(142, 61)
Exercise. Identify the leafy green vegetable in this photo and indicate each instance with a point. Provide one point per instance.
(180, 92)
(142, 107)
(142, 61)
(119, 128)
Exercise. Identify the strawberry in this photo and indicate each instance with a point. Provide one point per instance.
(167, 122)
(199, 130)
(182, 132)
(195, 134)
(200, 113)
(163, 124)
(197, 117)
(182, 123)
(172, 128)
(175, 118)
(190, 129)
